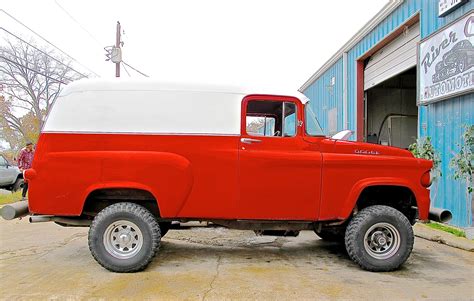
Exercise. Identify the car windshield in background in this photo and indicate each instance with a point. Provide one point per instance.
(312, 125)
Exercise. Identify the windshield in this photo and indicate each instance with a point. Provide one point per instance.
(312, 125)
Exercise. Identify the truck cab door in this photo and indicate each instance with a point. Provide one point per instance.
(279, 174)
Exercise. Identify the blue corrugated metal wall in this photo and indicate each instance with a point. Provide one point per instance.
(325, 96)
(442, 121)
(446, 121)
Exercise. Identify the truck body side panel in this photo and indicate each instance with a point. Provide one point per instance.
(180, 171)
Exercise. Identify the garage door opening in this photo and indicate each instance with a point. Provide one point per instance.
(391, 111)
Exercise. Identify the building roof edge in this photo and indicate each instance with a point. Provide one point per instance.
(368, 27)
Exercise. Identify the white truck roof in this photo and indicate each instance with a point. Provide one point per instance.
(151, 107)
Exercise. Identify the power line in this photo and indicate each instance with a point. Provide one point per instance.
(135, 69)
(126, 70)
(42, 51)
(20, 63)
(77, 22)
(32, 70)
(50, 43)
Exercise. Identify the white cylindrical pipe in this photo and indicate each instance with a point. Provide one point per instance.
(14, 210)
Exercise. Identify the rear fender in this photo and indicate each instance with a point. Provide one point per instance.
(167, 176)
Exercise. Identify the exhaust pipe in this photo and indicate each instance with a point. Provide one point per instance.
(41, 218)
(440, 215)
(63, 221)
(14, 210)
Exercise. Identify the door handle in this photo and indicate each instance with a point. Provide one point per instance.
(250, 140)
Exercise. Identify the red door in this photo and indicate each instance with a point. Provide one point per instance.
(280, 177)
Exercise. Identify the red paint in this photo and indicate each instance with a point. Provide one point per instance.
(360, 100)
(276, 169)
(219, 177)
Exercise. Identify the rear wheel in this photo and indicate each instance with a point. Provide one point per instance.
(124, 237)
(379, 238)
(18, 185)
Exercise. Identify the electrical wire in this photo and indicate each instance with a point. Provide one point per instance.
(53, 58)
(77, 22)
(136, 70)
(125, 69)
(50, 43)
(23, 59)
(32, 70)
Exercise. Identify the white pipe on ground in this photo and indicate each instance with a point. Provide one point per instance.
(14, 210)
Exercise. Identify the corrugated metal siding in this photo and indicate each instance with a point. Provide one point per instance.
(443, 122)
(324, 96)
(446, 121)
(450, 193)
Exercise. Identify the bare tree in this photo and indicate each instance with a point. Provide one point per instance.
(31, 79)
(255, 125)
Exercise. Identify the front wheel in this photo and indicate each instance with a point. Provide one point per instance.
(124, 237)
(379, 238)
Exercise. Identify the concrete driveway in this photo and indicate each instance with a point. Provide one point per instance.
(46, 261)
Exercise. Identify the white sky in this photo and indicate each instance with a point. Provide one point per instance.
(278, 43)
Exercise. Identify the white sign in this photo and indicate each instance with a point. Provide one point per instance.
(446, 62)
(447, 6)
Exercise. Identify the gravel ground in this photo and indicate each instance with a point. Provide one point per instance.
(46, 261)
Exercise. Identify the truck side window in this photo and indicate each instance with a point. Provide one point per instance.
(271, 118)
(260, 125)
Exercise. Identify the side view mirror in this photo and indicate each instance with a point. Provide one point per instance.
(343, 135)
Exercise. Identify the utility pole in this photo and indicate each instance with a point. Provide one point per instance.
(117, 44)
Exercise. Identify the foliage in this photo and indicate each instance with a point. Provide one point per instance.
(462, 163)
(8, 197)
(445, 228)
(30, 80)
(423, 149)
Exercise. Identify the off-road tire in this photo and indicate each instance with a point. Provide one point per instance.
(362, 223)
(136, 214)
(164, 228)
(18, 185)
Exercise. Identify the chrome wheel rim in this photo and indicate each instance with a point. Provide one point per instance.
(382, 241)
(123, 239)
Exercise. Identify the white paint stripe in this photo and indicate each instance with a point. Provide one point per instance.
(140, 133)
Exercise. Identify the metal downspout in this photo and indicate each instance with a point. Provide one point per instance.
(345, 124)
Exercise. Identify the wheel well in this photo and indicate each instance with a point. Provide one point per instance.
(398, 197)
(101, 198)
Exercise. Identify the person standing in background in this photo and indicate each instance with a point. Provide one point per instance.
(25, 159)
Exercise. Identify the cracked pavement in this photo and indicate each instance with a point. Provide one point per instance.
(46, 261)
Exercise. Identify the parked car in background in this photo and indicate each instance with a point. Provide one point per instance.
(11, 178)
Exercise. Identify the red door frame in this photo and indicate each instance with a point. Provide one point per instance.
(360, 100)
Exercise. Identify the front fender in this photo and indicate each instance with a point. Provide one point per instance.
(359, 186)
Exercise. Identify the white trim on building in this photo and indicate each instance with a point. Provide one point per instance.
(381, 15)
